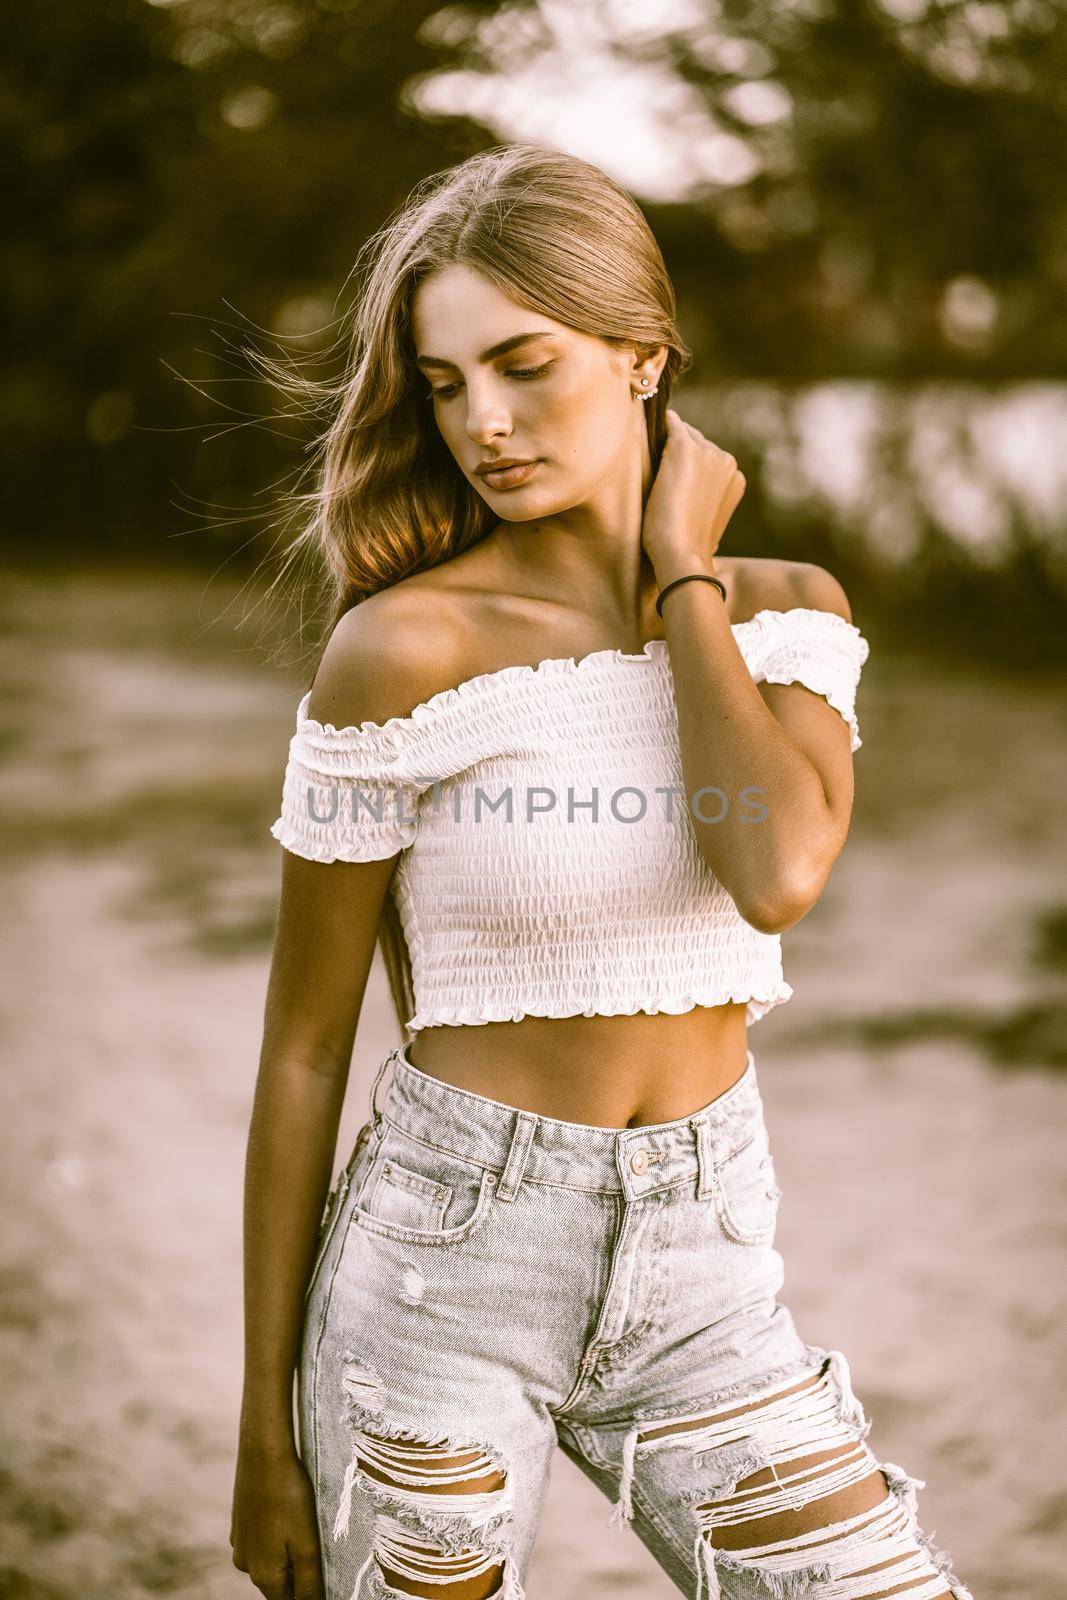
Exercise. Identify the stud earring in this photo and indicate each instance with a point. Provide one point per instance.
(650, 393)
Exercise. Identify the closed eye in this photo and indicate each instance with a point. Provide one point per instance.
(524, 374)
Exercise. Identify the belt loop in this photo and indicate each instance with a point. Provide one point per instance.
(521, 1140)
(705, 1156)
(376, 1115)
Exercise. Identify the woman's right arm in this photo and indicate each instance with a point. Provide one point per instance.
(378, 663)
(324, 944)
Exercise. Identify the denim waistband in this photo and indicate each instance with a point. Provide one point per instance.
(522, 1146)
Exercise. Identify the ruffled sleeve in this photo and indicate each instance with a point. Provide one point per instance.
(818, 649)
(352, 794)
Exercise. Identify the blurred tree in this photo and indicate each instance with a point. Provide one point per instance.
(164, 162)
(912, 211)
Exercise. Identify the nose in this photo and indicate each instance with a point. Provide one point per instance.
(487, 415)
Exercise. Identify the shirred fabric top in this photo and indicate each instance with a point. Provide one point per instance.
(548, 864)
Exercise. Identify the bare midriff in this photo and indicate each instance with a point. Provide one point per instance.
(607, 1072)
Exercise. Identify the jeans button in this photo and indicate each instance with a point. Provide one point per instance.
(639, 1161)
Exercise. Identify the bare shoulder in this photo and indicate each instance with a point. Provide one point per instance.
(764, 583)
(819, 590)
(389, 654)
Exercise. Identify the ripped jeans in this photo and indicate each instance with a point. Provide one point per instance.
(491, 1283)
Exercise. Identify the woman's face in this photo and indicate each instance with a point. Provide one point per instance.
(560, 398)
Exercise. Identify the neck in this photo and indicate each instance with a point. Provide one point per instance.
(593, 552)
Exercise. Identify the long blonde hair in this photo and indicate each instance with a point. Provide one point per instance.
(558, 236)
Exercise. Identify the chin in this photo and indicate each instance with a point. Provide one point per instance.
(521, 503)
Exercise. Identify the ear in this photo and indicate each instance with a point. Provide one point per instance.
(648, 362)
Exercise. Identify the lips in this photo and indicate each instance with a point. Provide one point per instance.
(505, 477)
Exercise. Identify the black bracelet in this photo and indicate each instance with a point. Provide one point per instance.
(707, 577)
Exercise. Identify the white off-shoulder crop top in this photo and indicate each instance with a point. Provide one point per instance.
(548, 864)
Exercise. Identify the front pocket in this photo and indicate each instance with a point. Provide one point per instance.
(747, 1192)
(408, 1199)
(418, 1194)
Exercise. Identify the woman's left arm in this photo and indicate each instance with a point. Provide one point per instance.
(769, 767)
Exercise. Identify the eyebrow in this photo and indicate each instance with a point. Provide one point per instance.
(488, 355)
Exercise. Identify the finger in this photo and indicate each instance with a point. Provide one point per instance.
(307, 1575)
(273, 1585)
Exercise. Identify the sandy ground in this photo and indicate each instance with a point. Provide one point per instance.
(915, 1090)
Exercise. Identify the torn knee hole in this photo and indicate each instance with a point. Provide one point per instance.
(444, 1539)
(750, 1433)
(442, 1506)
(793, 1496)
(442, 1517)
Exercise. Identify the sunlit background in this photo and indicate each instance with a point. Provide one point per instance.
(863, 206)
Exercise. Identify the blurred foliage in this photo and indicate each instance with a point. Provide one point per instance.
(183, 173)
(165, 164)
(906, 215)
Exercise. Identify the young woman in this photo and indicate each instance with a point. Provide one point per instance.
(578, 771)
